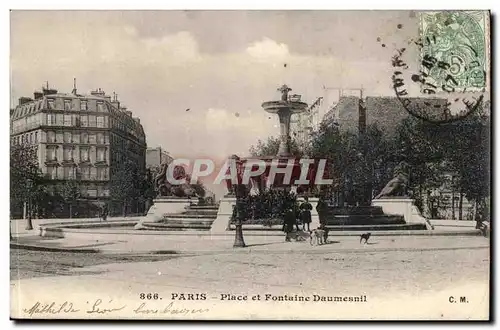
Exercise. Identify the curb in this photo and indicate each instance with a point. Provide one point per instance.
(247, 250)
(34, 247)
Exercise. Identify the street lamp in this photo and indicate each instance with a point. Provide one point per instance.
(29, 223)
(240, 191)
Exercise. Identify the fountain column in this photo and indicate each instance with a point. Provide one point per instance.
(284, 118)
(284, 109)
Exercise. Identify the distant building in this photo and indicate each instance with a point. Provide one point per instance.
(79, 137)
(156, 156)
(354, 114)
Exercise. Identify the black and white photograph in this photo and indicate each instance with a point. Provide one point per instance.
(250, 165)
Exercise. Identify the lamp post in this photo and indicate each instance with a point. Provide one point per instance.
(240, 192)
(29, 223)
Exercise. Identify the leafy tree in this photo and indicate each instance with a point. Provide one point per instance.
(147, 190)
(358, 164)
(25, 177)
(125, 184)
(70, 192)
(271, 147)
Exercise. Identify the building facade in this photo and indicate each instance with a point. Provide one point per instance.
(156, 156)
(79, 137)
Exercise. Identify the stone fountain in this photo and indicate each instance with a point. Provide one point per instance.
(284, 108)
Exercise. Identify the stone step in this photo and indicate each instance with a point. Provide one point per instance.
(355, 210)
(188, 216)
(207, 222)
(415, 226)
(204, 207)
(201, 212)
(175, 226)
(343, 220)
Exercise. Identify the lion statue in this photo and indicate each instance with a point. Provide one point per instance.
(398, 185)
(165, 188)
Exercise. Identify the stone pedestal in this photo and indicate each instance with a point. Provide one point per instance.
(162, 206)
(401, 206)
(221, 223)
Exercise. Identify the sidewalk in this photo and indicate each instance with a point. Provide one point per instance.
(198, 245)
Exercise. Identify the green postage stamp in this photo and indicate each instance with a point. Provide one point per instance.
(455, 49)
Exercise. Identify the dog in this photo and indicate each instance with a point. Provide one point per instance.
(318, 237)
(365, 237)
(299, 236)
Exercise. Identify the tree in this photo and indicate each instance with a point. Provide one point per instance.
(468, 152)
(271, 147)
(25, 178)
(358, 163)
(70, 192)
(125, 184)
(147, 190)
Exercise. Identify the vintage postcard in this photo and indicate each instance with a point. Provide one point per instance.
(250, 165)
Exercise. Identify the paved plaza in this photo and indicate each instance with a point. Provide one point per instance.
(422, 273)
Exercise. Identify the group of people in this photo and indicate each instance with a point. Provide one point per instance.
(293, 216)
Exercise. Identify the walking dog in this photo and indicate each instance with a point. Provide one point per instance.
(318, 236)
(365, 237)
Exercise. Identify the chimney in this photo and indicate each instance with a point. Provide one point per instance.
(129, 113)
(74, 87)
(24, 99)
(98, 92)
(37, 95)
(49, 91)
(115, 101)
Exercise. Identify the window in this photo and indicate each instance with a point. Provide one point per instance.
(50, 103)
(84, 137)
(51, 153)
(102, 173)
(101, 154)
(84, 154)
(84, 121)
(31, 138)
(51, 119)
(69, 172)
(100, 106)
(76, 137)
(100, 138)
(52, 172)
(92, 121)
(67, 120)
(22, 139)
(67, 137)
(92, 138)
(51, 137)
(68, 153)
(100, 121)
(36, 137)
(83, 105)
(85, 172)
(67, 104)
(59, 119)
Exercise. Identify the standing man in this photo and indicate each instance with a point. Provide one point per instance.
(105, 212)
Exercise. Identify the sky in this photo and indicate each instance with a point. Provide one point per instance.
(222, 65)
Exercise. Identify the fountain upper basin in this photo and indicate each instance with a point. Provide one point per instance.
(276, 106)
